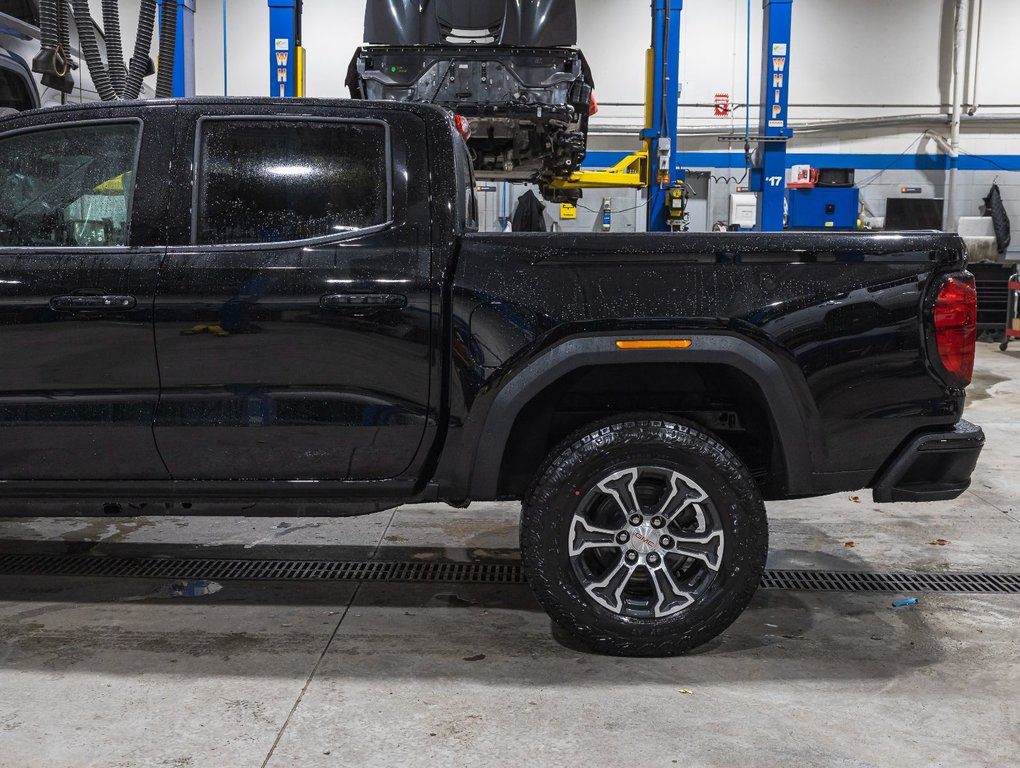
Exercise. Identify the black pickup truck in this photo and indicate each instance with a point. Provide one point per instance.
(262, 306)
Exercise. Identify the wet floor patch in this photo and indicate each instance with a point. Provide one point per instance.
(981, 386)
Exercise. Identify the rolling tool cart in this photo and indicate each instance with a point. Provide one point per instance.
(1012, 311)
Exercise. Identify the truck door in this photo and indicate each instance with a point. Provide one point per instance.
(79, 258)
(295, 325)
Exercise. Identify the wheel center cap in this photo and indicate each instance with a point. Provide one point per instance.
(644, 539)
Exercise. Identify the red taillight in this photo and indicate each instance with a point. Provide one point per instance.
(463, 126)
(956, 326)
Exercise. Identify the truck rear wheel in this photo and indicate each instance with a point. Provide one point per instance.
(644, 536)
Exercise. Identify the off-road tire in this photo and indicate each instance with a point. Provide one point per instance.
(575, 467)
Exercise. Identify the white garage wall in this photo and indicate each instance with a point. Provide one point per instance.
(332, 30)
(128, 22)
(849, 59)
(247, 48)
(867, 51)
(846, 54)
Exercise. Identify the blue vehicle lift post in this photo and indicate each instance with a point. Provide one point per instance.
(662, 111)
(184, 55)
(768, 178)
(286, 56)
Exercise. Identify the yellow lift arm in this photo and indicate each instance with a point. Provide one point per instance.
(630, 172)
(634, 171)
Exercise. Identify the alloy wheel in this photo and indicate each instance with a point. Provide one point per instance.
(646, 542)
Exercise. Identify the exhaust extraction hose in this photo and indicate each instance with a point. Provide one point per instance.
(63, 58)
(167, 50)
(114, 46)
(48, 23)
(143, 41)
(51, 61)
(90, 50)
(64, 16)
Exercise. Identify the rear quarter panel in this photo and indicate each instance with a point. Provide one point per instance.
(842, 314)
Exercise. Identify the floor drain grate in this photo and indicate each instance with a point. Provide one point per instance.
(464, 573)
(259, 570)
(834, 581)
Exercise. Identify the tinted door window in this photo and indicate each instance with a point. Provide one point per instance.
(79, 382)
(302, 359)
(68, 187)
(266, 182)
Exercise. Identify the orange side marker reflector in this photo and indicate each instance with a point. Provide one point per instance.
(654, 343)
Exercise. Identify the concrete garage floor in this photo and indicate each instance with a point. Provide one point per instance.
(116, 673)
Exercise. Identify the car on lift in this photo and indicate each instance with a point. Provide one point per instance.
(511, 69)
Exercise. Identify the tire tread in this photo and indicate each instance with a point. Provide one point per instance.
(622, 432)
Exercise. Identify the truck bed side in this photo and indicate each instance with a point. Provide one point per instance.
(819, 340)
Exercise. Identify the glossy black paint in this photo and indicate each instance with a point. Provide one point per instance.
(839, 312)
(309, 401)
(289, 368)
(78, 390)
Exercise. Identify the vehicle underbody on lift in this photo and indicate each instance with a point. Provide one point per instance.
(511, 72)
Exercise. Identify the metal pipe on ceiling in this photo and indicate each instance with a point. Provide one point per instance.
(818, 105)
(835, 126)
(960, 39)
(973, 57)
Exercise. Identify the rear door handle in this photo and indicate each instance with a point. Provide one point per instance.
(92, 303)
(362, 302)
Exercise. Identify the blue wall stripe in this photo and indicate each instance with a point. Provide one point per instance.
(735, 161)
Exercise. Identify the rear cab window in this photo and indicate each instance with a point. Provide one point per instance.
(68, 185)
(280, 180)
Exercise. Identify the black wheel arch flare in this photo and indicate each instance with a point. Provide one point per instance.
(786, 395)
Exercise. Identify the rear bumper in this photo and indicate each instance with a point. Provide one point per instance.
(933, 466)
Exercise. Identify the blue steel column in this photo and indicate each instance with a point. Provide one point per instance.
(283, 44)
(666, 16)
(184, 54)
(769, 177)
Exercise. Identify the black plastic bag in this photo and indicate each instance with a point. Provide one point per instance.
(1000, 219)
